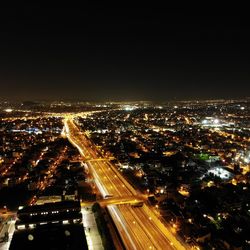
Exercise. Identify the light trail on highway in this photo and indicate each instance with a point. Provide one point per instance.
(138, 227)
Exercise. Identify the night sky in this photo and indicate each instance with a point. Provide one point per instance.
(97, 52)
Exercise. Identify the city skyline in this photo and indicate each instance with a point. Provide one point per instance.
(111, 53)
(121, 175)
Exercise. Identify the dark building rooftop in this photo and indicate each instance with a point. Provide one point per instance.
(50, 237)
(50, 226)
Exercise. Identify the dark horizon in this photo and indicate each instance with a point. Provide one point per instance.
(156, 102)
(102, 53)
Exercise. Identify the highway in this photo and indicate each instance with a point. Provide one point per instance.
(141, 231)
(108, 180)
(138, 227)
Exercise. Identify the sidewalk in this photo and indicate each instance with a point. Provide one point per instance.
(10, 228)
(92, 234)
